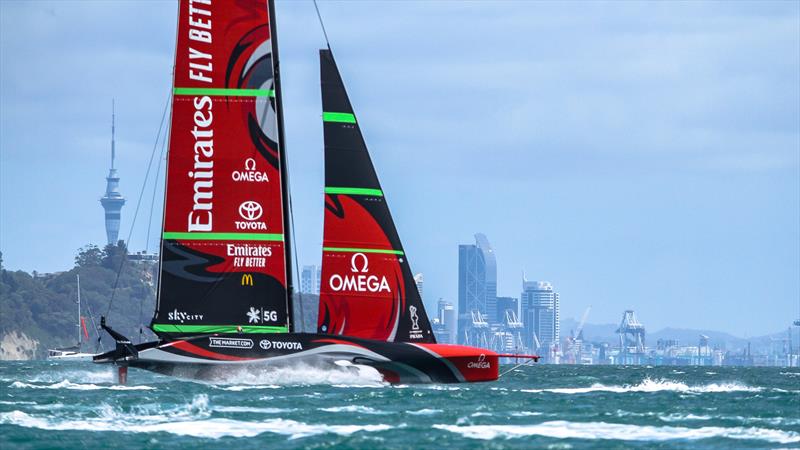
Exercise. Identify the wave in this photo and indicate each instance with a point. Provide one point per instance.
(611, 431)
(649, 385)
(205, 428)
(252, 409)
(66, 384)
(354, 409)
(526, 413)
(424, 412)
(105, 375)
(683, 417)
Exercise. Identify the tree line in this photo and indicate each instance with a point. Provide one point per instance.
(44, 306)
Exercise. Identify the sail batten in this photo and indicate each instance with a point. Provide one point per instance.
(224, 92)
(367, 290)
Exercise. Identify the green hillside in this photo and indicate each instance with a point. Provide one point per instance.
(44, 307)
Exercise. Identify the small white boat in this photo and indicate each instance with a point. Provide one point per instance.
(73, 353)
(68, 354)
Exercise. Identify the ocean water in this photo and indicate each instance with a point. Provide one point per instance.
(77, 406)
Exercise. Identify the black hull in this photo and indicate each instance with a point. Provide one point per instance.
(214, 357)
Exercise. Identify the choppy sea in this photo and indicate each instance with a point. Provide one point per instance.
(77, 406)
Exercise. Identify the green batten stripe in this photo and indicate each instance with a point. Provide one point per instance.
(362, 250)
(354, 191)
(224, 236)
(169, 328)
(338, 117)
(225, 92)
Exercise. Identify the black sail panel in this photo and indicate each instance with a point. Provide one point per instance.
(367, 288)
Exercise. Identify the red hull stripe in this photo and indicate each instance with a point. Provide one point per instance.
(195, 350)
(450, 351)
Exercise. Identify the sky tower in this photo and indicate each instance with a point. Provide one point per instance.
(112, 202)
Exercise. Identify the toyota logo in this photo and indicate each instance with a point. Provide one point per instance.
(265, 344)
(250, 210)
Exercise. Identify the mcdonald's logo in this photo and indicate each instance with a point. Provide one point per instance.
(247, 279)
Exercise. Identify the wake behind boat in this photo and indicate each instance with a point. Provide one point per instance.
(225, 284)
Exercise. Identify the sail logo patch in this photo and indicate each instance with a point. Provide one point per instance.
(266, 344)
(250, 174)
(480, 364)
(247, 255)
(202, 173)
(361, 282)
(415, 332)
(230, 343)
(257, 315)
(181, 316)
(250, 211)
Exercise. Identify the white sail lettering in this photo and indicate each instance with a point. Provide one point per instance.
(200, 31)
(359, 283)
(197, 54)
(201, 216)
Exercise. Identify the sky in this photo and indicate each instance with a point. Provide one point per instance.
(638, 156)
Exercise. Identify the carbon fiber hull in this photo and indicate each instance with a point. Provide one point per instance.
(211, 357)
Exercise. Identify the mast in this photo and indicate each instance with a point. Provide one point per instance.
(79, 312)
(287, 222)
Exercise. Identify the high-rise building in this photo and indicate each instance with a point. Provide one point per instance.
(113, 201)
(309, 280)
(539, 306)
(446, 318)
(477, 287)
(491, 277)
(319, 280)
(419, 279)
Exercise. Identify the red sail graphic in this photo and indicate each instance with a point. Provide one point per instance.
(223, 261)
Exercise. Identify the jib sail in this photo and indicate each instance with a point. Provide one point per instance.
(367, 288)
(224, 265)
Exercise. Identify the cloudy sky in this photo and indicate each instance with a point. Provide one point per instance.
(636, 155)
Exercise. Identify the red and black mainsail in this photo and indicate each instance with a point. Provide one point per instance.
(224, 265)
(367, 288)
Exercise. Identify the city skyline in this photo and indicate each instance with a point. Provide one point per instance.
(621, 154)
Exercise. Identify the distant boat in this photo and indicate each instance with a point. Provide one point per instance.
(73, 353)
(225, 282)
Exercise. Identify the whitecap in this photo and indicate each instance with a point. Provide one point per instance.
(682, 417)
(66, 384)
(206, 428)
(353, 409)
(424, 412)
(86, 376)
(526, 413)
(252, 409)
(600, 430)
(648, 385)
(247, 387)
